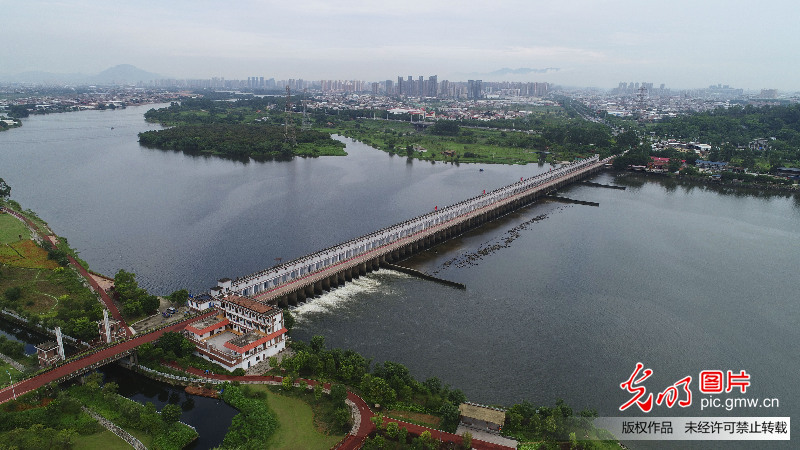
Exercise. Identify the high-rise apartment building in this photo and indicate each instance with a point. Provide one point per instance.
(433, 86)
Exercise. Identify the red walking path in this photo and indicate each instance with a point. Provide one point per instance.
(365, 427)
(108, 353)
(107, 300)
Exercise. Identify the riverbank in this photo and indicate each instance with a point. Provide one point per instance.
(767, 188)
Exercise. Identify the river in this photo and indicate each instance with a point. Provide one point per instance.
(562, 300)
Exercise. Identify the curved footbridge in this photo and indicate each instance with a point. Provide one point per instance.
(294, 281)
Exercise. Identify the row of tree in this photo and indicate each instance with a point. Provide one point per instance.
(389, 384)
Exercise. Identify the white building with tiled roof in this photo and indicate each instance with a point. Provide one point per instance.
(244, 333)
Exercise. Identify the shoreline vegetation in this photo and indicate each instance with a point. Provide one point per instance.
(206, 126)
(236, 131)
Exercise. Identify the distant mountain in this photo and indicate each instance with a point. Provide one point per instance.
(121, 74)
(124, 74)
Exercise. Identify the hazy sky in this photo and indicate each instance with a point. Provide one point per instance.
(694, 43)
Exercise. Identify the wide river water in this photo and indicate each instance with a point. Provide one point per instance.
(562, 300)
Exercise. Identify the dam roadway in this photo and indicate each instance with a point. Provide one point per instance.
(295, 281)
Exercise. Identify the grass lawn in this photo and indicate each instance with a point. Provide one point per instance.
(296, 420)
(11, 228)
(143, 437)
(104, 440)
(15, 374)
(417, 418)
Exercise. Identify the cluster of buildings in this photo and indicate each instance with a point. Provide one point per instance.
(419, 87)
(243, 333)
(649, 103)
(61, 100)
(469, 90)
(453, 109)
(701, 150)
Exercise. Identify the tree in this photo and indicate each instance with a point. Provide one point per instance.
(375, 443)
(288, 319)
(338, 394)
(317, 391)
(466, 440)
(342, 417)
(5, 190)
(110, 388)
(377, 390)
(84, 329)
(176, 343)
(392, 430)
(317, 343)
(13, 293)
(149, 304)
(445, 128)
(287, 382)
(170, 414)
(179, 297)
(450, 416)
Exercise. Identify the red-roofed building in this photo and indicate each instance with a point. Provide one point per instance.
(243, 334)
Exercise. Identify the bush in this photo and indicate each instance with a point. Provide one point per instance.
(253, 426)
(14, 293)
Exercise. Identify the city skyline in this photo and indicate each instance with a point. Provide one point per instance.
(580, 43)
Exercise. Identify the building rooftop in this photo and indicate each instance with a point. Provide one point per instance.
(250, 304)
(203, 325)
(484, 413)
(45, 346)
(251, 340)
(243, 342)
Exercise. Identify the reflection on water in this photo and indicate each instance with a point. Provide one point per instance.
(210, 417)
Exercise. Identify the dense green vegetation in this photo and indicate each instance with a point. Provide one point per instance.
(391, 386)
(253, 127)
(255, 423)
(13, 349)
(30, 423)
(135, 300)
(526, 422)
(243, 129)
(549, 139)
(730, 132)
(239, 140)
(52, 418)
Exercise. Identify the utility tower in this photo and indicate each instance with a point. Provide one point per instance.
(289, 134)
